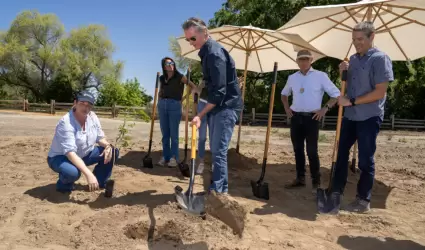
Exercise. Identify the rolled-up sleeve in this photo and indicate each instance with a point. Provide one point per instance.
(65, 138)
(329, 86)
(286, 91)
(99, 131)
(383, 70)
(217, 87)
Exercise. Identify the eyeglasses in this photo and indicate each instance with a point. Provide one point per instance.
(193, 39)
(169, 63)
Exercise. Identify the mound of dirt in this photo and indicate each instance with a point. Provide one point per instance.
(228, 211)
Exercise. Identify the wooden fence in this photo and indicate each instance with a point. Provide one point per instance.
(253, 118)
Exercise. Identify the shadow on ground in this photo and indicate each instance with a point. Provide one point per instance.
(297, 203)
(370, 243)
(134, 159)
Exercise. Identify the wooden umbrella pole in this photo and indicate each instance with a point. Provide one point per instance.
(243, 93)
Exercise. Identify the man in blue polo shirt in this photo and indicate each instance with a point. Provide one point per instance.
(224, 99)
(369, 73)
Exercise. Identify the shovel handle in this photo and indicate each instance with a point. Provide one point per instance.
(155, 101)
(188, 90)
(194, 129)
(271, 105)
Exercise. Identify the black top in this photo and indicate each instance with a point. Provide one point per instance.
(219, 73)
(173, 88)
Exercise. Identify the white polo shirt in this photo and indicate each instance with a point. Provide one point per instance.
(308, 90)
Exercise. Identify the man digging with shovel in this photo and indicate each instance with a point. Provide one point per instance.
(224, 104)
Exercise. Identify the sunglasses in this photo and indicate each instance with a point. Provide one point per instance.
(169, 63)
(193, 39)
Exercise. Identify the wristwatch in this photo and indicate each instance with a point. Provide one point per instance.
(353, 101)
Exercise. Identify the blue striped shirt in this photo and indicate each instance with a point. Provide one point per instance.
(70, 137)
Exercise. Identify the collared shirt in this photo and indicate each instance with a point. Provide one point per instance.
(364, 73)
(308, 90)
(219, 73)
(70, 137)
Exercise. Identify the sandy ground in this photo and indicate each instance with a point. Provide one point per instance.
(142, 213)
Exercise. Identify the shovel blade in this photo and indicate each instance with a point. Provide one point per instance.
(260, 189)
(194, 204)
(184, 169)
(147, 162)
(109, 188)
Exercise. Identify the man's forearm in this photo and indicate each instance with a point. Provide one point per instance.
(285, 102)
(103, 142)
(332, 102)
(206, 109)
(78, 162)
(373, 96)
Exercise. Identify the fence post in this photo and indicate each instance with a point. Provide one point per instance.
(27, 105)
(23, 105)
(253, 115)
(113, 110)
(52, 107)
(392, 121)
(323, 121)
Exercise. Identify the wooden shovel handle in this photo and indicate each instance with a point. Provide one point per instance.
(155, 101)
(271, 105)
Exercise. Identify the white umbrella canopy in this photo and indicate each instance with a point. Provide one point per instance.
(254, 49)
(399, 24)
(259, 48)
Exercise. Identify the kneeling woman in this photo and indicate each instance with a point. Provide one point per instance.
(170, 110)
(74, 147)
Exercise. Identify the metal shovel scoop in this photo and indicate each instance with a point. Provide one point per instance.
(147, 160)
(260, 189)
(191, 203)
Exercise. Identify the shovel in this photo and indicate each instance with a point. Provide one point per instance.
(188, 201)
(147, 160)
(260, 189)
(354, 159)
(324, 194)
(183, 166)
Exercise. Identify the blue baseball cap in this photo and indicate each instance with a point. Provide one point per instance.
(86, 96)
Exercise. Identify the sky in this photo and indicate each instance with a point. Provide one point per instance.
(139, 29)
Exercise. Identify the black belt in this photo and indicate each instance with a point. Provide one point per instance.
(303, 113)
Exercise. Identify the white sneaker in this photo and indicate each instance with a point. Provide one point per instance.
(161, 162)
(200, 168)
(172, 163)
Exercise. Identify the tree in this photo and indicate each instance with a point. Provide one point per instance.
(128, 93)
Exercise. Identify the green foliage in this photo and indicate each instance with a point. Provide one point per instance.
(37, 55)
(128, 93)
(406, 96)
(123, 139)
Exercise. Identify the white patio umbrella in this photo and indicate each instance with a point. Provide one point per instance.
(255, 49)
(399, 24)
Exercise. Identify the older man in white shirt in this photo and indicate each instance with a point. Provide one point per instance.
(307, 87)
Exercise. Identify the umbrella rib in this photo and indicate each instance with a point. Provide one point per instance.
(336, 24)
(392, 36)
(355, 20)
(235, 43)
(404, 7)
(280, 50)
(255, 42)
(377, 13)
(314, 20)
(393, 27)
(406, 18)
(259, 61)
(335, 21)
(264, 45)
(351, 45)
(395, 19)
(296, 44)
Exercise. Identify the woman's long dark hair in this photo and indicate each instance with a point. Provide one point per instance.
(164, 72)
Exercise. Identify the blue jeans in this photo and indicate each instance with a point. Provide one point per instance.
(68, 173)
(221, 129)
(365, 132)
(202, 138)
(170, 115)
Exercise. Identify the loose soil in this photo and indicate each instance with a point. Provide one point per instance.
(143, 214)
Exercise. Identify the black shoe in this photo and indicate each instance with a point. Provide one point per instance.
(296, 184)
(334, 203)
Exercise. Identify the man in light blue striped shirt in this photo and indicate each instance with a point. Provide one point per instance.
(74, 147)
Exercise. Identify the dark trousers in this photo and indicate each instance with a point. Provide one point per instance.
(304, 128)
(365, 132)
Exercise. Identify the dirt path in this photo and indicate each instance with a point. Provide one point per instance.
(143, 215)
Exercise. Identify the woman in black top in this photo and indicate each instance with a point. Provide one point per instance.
(170, 110)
